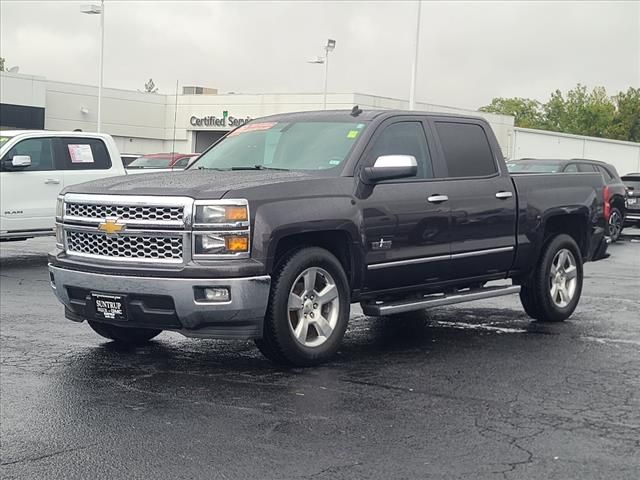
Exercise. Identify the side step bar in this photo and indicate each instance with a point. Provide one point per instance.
(437, 300)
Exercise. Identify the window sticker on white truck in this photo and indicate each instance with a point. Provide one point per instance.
(80, 153)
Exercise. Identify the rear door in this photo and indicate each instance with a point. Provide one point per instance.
(482, 199)
(29, 194)
(83, 159)
(407, 237)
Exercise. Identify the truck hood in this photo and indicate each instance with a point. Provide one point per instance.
(198, 184)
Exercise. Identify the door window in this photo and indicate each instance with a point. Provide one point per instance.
(84, 154)
(571, 168)
(405, 138)
(586, 167)
(466, 150)
(605, 172)
(39, 149)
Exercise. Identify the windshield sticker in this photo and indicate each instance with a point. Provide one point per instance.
(80, 153)
(352, 133)
(360, 126)
(252, 127)
(334, 162)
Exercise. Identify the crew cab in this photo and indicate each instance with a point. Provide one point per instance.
(279, 227)
(36, 165)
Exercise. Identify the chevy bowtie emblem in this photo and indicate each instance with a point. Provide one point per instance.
(110, 226)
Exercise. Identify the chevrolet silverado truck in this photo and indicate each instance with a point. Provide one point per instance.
(279, 227)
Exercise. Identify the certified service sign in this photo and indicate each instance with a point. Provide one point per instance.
(225, 120)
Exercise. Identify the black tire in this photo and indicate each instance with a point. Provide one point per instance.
(124, 335)
(278, 342)
(615, 224)
(535, 293)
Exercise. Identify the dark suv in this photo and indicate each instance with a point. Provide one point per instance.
(632, 183)
(616, 190)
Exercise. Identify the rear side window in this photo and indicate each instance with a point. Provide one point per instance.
(586, 167)
(84, 154)
(572, 167)
(605, 172)
(466, 150)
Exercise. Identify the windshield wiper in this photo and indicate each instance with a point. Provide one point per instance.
(259, 167)
(212, 168)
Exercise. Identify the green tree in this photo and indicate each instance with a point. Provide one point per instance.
(626, 125)
(580, 111)
(528, 113)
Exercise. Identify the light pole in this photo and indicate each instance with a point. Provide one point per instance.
(329, 47)
(95, 9)
(414, 65)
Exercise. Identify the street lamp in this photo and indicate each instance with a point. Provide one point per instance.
(329, 47)
(414, 65)
(95, 9)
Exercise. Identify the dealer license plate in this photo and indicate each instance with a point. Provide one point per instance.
(109, 307)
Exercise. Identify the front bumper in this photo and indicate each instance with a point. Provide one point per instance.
(632, 217)
(169, 303)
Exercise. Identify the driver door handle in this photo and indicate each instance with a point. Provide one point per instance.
(504, 195)
(52, 181)
(437, 198)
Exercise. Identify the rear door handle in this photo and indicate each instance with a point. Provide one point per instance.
(437, 198)
(52, 181)
(504, 195)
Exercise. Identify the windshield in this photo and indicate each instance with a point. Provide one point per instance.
(521, 167)
(284, 145)
(151, 162)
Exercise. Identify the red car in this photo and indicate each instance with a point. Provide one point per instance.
(164, 161)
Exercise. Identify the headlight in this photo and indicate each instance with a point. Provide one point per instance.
(59, 207)
(221, 243)
(221, 214)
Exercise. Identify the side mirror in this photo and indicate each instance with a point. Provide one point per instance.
(21, 161)
(389, 167)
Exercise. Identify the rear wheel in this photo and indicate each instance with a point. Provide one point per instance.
(615, 224)
(553, 290)
(124, 335)
(308, 309)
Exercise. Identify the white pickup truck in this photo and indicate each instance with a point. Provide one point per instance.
(36, 165)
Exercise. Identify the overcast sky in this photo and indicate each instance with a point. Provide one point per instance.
(470, 51)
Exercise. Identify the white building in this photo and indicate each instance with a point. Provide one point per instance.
(144, 122)
(189, 122)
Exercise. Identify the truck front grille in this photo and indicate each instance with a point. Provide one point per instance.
(125, 212)
(133, 247)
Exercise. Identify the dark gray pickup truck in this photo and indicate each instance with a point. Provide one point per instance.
(279, 227)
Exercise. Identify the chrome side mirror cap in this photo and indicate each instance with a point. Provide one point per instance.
(389, 167)
(21, 161)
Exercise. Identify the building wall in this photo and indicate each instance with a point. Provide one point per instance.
(625, 156)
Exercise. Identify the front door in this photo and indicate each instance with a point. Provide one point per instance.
(407, 237)
(29, 194)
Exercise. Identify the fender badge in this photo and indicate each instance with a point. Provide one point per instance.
(381, 245)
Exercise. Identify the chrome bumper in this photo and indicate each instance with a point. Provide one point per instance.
(632, 216)
(241, 317)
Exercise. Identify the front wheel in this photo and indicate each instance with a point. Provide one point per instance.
(308, 309)
(615, 224)
(552, 291)
(124, 335)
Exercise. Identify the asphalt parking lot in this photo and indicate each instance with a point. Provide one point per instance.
(476, 392)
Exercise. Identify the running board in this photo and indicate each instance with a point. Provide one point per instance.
(437, 300)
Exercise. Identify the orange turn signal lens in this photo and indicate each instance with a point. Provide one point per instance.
(236, 214)
(236, 243)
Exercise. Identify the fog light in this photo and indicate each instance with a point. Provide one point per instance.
(212, 294)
